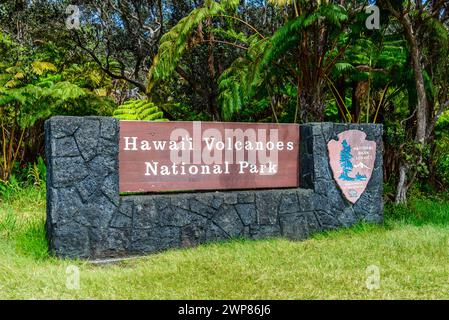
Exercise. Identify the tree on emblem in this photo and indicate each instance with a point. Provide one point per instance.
(346, 164)
(345, 161)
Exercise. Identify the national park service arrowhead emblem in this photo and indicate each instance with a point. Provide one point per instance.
(352, 161)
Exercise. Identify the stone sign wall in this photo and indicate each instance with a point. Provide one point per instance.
(87, 217)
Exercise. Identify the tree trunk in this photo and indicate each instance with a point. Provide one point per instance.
(213, 107)
(312, 107)
(422, 104)
(402, 187)
(355, 102)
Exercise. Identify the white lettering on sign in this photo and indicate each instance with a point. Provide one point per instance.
(207, 155)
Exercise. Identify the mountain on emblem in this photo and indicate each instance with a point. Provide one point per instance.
(361, 165)
(352, 161)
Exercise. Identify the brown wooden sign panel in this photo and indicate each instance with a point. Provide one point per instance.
(175, 156)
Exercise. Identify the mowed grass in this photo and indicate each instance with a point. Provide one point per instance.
(411, 250)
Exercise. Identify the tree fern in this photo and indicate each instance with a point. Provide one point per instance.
(139, 110)
(174, 43)
(240, 82)
(263, 56)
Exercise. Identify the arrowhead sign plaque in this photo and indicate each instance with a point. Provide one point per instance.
(352, 161)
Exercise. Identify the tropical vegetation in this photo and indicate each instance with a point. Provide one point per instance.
(230, 60)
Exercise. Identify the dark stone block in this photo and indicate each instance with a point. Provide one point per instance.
(118, 241)
(264, 231)
(217, 202)
(326, 220)
(230, 198)
(289, 203)
(145, 215)
(107, 147)
(68, 171)
(98, 240)
(346, 217)
(110, 189)
(143, 241)
(182, 203)
(109, 129)
(64, 147)
(201, 208)
(121, 221)
(335, 197)
(63, 126)
(245, 197)
(267, 206)
(208, 198)
(162, 202)
(70, 241)
(66, 204)
(87, 187)
(229, 221)
(126, 208)
(192, 235)
(155, 239)
(87, 138)
(294, 226)
(167, 237)
(99, 211)
(214, 232)
(247, 213)
(102, 166)
(175, 217)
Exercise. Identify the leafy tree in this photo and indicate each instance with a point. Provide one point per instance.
(302, 52)
(30, 90)
(419, 22)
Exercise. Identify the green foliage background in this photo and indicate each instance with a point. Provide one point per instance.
(214, 60)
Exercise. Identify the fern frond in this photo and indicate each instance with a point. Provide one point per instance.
(343, 67)
(66, 90)
(138, 110)
(175, 42)
(39, 67)
(122, 110)
(153, 116)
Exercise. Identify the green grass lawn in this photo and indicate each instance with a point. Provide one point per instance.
(411, 251)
